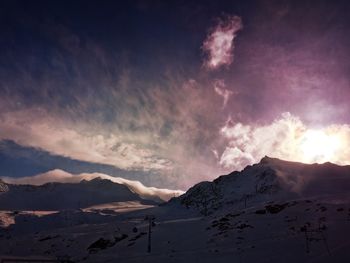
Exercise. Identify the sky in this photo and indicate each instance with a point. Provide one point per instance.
(171, 93)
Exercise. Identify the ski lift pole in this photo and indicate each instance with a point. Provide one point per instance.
(150, 219)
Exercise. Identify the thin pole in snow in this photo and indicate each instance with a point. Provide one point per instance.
(150, 219)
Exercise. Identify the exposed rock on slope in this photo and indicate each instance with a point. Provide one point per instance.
(3, 187)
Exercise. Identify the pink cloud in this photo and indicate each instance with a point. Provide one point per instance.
(221, 90)
(219, 44)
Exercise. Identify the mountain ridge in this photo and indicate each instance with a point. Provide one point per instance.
(62, 196)
(269, 180)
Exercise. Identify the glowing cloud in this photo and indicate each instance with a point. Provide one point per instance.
(219, 44)
(286, 138)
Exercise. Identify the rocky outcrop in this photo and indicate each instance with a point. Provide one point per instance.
(3, 187)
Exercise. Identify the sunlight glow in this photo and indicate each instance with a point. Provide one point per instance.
(319, 146)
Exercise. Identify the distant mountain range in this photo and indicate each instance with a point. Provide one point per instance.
(59, 176)
(61, 196)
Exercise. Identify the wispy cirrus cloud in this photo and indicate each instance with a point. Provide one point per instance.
(221, 90)
(219, 44)
(36, 128)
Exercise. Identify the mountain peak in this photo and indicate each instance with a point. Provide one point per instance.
(270, 160)
(266, 159)
(99, 181)
(275, 162)
(94, 180)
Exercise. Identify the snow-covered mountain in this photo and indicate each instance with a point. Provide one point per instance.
(59, 196)
(60, 176)
(270, 180)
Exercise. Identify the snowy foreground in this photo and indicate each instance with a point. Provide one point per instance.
(257, 215)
